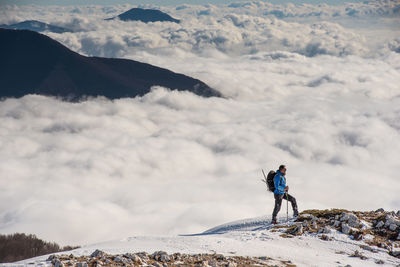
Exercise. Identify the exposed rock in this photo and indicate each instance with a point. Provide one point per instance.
(358, 254)
(345, 228)
(52, 257)
(368, 248)
(395, 253)
(82, 264)
(164, 258)
(119, 259)
(143, 255)
(55, 260)
(203, 264)
(336, 224)
(220, 257)
(348, 217)
(297, 229)
(133, 257)
(160, 256)
(308, 217)
(97, 254)
(97, 263)
(380, 224)
(380, 210)
(364, 225)
(391, 220)
(326, 230)
(393, 227)
(325, 238)
(58, 263)
(314, 226)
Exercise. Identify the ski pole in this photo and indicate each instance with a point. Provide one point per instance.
(287, 207)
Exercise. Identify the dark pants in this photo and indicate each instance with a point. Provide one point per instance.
(278, 203)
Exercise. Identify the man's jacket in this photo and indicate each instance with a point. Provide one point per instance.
(280, 183)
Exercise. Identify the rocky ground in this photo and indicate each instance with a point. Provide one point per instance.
(162, 259)
(378, 229)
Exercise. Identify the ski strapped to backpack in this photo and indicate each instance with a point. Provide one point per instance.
(269, 180)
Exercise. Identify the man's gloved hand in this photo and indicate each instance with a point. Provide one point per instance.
(286, 188)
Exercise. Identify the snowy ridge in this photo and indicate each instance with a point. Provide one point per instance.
(318, 243)
(251, 224)
(240, 225)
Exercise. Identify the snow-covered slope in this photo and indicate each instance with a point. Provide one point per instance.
(256, 238)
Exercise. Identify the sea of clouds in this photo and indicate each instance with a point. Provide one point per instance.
(363, 29)
(314, 87)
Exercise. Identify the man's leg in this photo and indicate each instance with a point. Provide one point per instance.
(294, 204)
(277, 208)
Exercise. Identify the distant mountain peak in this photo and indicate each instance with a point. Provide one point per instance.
(35, 25)
(145, 15)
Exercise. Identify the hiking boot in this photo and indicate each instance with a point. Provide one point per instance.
(295, 213)
(274, 221)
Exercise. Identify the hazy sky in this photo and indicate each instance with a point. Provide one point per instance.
(157, 2)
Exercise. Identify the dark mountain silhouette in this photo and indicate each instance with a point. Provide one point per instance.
(35, 25)
(145, 15)
(32, 63)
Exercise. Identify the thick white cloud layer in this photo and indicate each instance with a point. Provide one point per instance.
(315, 95)
(173, 162)
(235, 29)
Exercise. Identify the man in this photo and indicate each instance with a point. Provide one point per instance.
(281, 191)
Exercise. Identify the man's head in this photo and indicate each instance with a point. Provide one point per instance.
(282, 169)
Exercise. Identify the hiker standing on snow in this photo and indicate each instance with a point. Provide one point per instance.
(281, 191)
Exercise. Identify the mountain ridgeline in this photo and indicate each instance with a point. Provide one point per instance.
(32, 63)
(35, 25)
(145, 15)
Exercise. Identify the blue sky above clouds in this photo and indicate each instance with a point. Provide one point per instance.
(158, 2)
